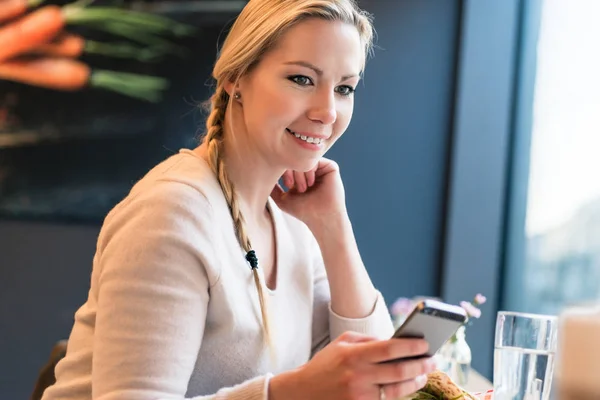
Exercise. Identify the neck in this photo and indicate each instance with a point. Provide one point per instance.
(252, 176)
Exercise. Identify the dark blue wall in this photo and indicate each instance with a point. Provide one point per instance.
(44, 275)
(487, 86)
(393, 161)
(393, 157)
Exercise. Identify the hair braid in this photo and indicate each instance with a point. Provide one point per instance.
(255, 32)
(214, 142)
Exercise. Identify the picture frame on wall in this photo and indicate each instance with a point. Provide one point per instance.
(72, 155)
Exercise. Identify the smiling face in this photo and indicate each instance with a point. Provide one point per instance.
(298, 100)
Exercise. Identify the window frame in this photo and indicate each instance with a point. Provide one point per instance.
(489, 160)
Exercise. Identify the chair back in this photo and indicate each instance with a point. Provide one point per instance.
(46, 376)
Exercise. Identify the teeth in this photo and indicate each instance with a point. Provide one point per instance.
(307, 139)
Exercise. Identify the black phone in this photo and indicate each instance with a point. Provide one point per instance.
(433, 321)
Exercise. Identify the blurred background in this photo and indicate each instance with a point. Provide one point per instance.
(470, 164)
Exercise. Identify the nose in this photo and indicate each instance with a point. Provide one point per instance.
(323, 108)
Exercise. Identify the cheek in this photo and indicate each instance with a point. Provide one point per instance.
(344, 116)
(260, 116)
(273, 109)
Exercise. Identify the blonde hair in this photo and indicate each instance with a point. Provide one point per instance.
(256, 30)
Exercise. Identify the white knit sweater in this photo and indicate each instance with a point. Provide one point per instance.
(173, 312)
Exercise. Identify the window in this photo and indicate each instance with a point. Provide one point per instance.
(559, 262)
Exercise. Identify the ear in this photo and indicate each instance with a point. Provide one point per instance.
(229, 87)
(236, 85)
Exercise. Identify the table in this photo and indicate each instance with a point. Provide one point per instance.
(477, 383)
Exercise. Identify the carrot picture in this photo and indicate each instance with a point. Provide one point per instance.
(37, 49)
(69, 75)
(61, 74)
(43, 24)
(65, 45)
(10, 9)
(31, 30)
(73, 46)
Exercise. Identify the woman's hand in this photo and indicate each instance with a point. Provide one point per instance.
(313, 196)
(317, 198)
(353, 367)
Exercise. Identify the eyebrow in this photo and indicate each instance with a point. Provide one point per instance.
(317, 70)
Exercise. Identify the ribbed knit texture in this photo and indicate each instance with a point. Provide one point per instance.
(173, 311)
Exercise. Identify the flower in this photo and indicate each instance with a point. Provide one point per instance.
(471, 310)
(479, 299)
(402, 306)
(400, 310)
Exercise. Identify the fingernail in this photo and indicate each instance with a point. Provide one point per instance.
(421, 380)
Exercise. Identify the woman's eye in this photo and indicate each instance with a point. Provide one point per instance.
(345, 90)
(301, 80)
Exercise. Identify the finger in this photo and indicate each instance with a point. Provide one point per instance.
(392, 349)
(325, 166)
(310, 177)
(288, 179)
(300, 182)
(406, 388)
(401, 371)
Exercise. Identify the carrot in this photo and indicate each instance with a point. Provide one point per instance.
(10, 9)
(30, 31)
(147, 22)
(73, 46)
(65, 45)
(52, 73)
(70, 75)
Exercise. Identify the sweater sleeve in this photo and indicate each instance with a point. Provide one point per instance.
(152, 294)
(327, 325)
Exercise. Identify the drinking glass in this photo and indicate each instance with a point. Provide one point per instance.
(524, 350)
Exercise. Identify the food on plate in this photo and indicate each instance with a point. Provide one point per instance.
(440, 387)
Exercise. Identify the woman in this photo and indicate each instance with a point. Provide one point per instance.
(210, 281)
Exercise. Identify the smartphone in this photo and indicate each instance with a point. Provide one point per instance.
(433, 321)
